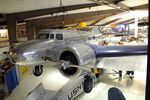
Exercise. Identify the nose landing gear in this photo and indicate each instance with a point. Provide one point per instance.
(38, 70)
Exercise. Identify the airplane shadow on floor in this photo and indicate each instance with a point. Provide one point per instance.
(114, 80)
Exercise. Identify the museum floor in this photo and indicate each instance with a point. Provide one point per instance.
(53, 80)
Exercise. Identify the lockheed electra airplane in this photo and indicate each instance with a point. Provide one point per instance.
(72, 50)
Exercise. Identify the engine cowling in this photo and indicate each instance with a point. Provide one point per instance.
(77, 54)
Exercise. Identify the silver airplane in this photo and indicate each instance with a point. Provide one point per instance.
(72, 50)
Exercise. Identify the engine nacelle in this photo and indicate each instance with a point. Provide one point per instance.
(77, 54)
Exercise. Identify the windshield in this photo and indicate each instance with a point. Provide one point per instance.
(42, 36)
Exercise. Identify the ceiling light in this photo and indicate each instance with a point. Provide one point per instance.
(3, 30)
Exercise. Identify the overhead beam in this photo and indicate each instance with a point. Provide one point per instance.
(24, 15)
(130, 21)
(67, 21)
(143, 24)
(140, 7)
(96, 21)
(35, 13)
(62, 21)
(56, 19)
(111, 21)
(72, 18)
(123, 6)
(140, 22)
(125, 21)
(113, 4)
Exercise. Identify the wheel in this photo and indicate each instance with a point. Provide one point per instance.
(38, 70)
(88, 84)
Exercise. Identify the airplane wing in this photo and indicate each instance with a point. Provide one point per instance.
(121, 57)
(116, 51)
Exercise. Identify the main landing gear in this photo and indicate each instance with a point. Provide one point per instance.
(91, 79)
(38, 70)
(88, 83)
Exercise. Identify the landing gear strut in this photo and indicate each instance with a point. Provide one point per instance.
(120, 73)
(38, 70)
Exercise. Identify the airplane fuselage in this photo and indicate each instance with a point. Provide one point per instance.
(73, 47)
(48, 43)
(61, 44)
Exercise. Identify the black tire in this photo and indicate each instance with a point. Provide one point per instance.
(88, 84)
(38, 70)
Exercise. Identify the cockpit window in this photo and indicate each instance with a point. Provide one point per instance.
(59, 37)
(43, 36)
(52, 36)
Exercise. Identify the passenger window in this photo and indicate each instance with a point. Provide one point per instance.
(47, 36)
(59, 37)
(40, 36)
(52, 36)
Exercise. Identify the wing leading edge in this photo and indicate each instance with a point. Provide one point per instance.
(116, 51)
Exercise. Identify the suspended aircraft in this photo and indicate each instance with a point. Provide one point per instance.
(73, 53)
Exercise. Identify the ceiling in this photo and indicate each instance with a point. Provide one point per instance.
(12, 6)
(24, 7)
(125, 16)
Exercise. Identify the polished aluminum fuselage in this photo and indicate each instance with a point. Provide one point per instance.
(77, 42)
(31, 52)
